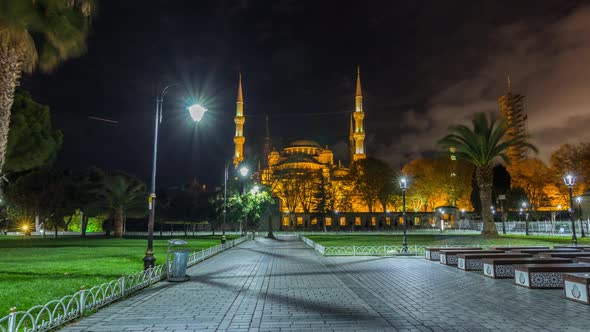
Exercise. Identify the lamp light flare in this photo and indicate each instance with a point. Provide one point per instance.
(569, 180)
(196, 112)
(244, 171)
(255, 190)
(579, 199)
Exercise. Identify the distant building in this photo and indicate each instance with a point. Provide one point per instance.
(513, 111)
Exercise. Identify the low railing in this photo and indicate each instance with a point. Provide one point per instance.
(355, 250)
(58, 312)
(383, 250)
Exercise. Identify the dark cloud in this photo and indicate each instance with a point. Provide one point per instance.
(548, 64)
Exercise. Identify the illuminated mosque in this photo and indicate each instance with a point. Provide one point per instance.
(307, 155)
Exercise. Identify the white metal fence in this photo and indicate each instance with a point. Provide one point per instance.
(58, 312)
(355, 250)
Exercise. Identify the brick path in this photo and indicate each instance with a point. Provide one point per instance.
(266, 285)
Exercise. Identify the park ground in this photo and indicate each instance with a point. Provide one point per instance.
(36, 270)
(267, 286)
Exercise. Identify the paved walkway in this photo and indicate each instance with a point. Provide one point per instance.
(267, 285)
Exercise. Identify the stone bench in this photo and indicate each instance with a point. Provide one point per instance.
(544, 251)
(473, 262)
(545, 275)
(432, 252)
(449, 257)
(576, 287)
(574, 256)
(579, 247)
(517, 248)
(501, 268)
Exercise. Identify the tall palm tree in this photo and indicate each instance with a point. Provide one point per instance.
(122, 195)
(35, 33)
(482, 146)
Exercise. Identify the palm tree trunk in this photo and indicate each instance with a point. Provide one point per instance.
(118, 219)
(10, 71)
(84, 225)
(484, 176)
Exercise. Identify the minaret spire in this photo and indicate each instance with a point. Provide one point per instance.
(351, 145)
(359, 116)
(239, 120)
(509, 87)
(359, 92)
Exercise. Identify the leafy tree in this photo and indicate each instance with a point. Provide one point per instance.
(481, 146)
(370, 177)
(41, 32)
(32, 143)
(256, 205)
(122, 195)
(533, 176)
(42, 193)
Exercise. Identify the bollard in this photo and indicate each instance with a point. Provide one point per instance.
(12, 320)
(123, 286)
(384, 251)
(354, 250)
(82, 301)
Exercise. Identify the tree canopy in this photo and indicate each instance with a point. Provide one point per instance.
(32, 143)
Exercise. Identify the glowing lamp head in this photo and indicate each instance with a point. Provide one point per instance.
(579, 199)
(255, 190)
(569, 180)
(196, 111)
(25, 228)
(244, 171)
(462, 210)
(403, 183)
(559, 207)
(524, 205)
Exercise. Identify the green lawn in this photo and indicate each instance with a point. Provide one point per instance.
(34, 271)
(438, 240)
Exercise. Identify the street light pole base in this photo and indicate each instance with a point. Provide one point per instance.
(149, 261)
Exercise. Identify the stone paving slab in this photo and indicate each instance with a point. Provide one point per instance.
(267, 285)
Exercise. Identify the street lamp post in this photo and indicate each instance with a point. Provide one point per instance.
(244, 173)
(196, 112)
(403, 184)
(225, 175)
(579, 201)
(569, 181)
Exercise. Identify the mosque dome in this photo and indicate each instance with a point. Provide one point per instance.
(305, 143)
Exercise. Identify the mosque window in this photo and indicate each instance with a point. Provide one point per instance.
(401, 220)
(357, 221)
(388, 221)
(299, 221)
(342, 221)
(416, 220)
(314, 221)
(373, 221)
(285, 221)
(328, 221)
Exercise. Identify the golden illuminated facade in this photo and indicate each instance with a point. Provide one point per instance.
(239, 120)
(305, 178)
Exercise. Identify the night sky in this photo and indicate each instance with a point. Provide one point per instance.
(423, 67)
